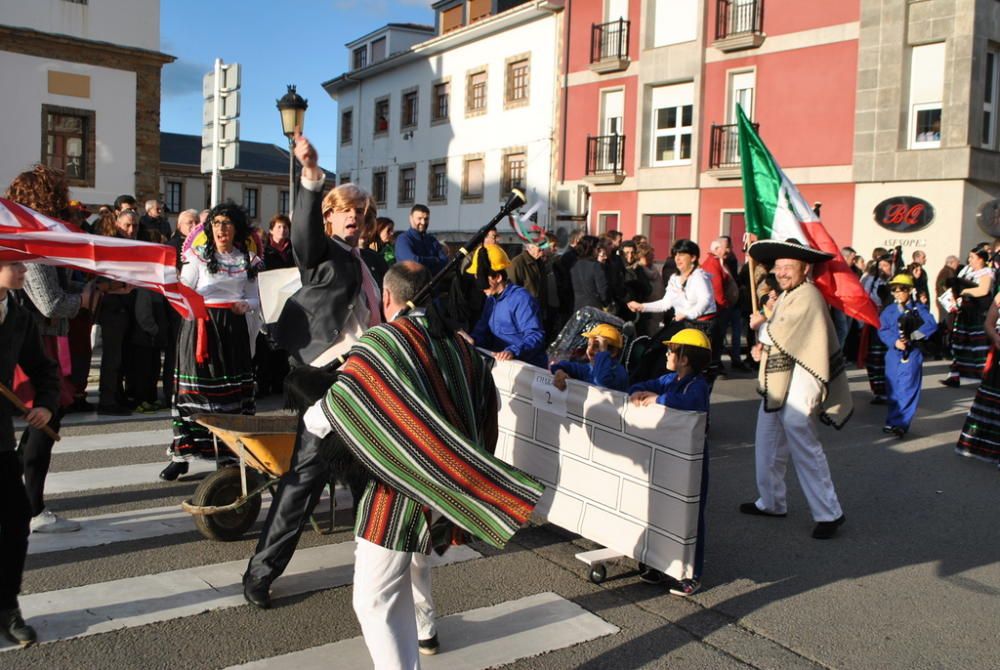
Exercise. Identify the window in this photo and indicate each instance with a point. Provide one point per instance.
(175, 197)
(438, 182)
(409, 111)
(676, 21)
(926, 94)
(606, 222)
(513, 173)
(990, 82)
(68, 143)
(442, 94)
(475, 97)
(382, 116)
(478, 9)
(360, 57)
(472, 179)
(380, 186)
(672, 124)
(378, 50)
(451, 19)
(251, 196)
(284, 202)
(516, 92)
(407, 184)
(346, 126)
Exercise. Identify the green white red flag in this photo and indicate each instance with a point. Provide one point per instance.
(774, 209)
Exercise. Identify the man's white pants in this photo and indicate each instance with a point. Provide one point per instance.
(792, 431)
(392, 600)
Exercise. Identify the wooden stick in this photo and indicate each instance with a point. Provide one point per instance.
(753, 285)
(9, 395)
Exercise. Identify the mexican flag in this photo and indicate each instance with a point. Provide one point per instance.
(776, 210)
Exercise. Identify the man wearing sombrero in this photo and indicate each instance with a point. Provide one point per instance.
(802, 376)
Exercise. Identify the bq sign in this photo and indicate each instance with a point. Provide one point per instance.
(904, 214)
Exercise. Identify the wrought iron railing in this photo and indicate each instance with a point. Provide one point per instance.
(606, 155)
(609, 41)
(724, 151)
(738, 17)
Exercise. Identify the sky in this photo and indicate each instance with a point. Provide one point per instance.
(276, 43)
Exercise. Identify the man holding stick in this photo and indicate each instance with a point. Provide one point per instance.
(20, 344)
(802, 375)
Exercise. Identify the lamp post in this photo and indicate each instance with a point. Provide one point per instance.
(292, 107)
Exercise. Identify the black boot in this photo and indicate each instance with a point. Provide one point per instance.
(14, 629)
(174, 470)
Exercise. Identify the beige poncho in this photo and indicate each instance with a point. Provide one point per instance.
(803, 334)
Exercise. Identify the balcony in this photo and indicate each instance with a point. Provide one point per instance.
(605, 160)
(724, 152)
(609, 46)
(739, 24)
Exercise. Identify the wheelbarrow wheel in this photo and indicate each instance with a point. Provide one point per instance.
(220, 488)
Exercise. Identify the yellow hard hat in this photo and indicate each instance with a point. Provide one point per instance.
(608, 332)
(691, 337)
(902, 279)
(498, 258)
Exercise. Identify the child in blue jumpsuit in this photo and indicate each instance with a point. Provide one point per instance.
(604, 344)
(684, 387)
(903, 360)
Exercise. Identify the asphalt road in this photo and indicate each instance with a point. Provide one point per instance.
(911, 581)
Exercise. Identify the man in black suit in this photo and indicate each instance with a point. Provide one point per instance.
(20, 344)
(337, 302)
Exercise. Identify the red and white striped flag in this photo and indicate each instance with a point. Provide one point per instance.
(27, 235)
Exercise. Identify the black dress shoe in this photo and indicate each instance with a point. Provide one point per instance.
(257, 592)
(878, 400)
(14, 629)
(428, 647)
(752, 509)
(174, 470)
(824, 530)
(114, 410)
(740, 365)
(81, 405)
(950, 381)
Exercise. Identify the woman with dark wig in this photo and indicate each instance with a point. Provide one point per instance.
(214, 363)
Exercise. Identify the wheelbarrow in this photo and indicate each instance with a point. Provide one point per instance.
(226, 503)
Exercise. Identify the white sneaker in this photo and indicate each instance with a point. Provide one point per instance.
(47, 522)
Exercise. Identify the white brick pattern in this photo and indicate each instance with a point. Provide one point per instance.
(626, 477)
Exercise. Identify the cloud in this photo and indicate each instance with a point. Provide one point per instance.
(182, 78)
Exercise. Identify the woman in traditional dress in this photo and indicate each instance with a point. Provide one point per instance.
(214, 360)
(980, 437)
(969, 345)
(689, 294)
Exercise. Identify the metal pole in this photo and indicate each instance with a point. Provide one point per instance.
(217, 105)
(291, 175)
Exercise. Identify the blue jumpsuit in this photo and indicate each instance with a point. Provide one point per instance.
(903, 378)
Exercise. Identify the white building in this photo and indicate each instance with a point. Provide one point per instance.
(81, 84)
(453, 117)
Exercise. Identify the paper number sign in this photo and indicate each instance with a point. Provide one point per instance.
(547, 397)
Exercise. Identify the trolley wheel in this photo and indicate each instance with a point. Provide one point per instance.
(598, 573)
(223, 487)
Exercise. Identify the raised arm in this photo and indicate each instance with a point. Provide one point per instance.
(308, 231)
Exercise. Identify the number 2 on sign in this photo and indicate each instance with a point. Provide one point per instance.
(547, 397)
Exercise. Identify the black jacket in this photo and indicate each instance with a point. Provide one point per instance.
(312, 319)
(590, 285)
(21, 344)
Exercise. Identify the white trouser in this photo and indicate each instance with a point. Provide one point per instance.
(792, 431)
(392, 600)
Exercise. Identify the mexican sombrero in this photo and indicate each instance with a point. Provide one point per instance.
(768, 251)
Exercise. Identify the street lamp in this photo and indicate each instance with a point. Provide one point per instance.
(292, 107)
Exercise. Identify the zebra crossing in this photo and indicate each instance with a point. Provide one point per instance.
(166, 597)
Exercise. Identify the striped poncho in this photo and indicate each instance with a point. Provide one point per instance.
(411, 408)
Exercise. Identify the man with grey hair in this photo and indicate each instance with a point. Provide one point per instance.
(527, 269)
(186, 221)
(946, 320)
(153, 219)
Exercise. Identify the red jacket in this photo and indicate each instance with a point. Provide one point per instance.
(713, 266)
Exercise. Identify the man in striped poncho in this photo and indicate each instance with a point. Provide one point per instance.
(412, 404)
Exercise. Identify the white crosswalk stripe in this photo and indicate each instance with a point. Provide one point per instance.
(471, 640)
(479, 638)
